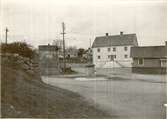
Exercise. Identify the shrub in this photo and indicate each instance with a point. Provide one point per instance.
(21, 48)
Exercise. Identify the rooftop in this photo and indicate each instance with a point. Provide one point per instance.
(149, 52)
(48, 48)
(115, 40)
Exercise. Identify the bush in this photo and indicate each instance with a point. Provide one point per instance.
(21, 48)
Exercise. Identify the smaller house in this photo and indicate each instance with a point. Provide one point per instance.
(71, 52)
(48, 51)
(88, 55)
(149, 59)
(48, 59)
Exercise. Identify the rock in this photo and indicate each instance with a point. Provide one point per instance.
(15, 55)
(11, 106)
(30, 71)
(25, 66)
(20, 61)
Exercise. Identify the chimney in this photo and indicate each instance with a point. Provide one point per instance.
(121, 33)
(106, 34)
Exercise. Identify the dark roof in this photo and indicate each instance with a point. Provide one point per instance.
(149, 52)
(115, 40)
(48, 48)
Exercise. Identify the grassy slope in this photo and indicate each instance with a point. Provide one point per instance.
(24, 95)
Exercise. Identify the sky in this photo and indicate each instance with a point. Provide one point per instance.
(39, 22)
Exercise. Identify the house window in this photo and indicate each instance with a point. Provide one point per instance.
(109, 49)
(125, 48)
(98, 50)
(114, 49)
(98, 57)
(125, 56)
(163, 63)
(140, 61)
(111, 57)
(115, 56)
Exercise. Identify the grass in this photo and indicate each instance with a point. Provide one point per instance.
(24, 95)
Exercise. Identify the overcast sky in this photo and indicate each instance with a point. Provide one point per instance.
(39, 21)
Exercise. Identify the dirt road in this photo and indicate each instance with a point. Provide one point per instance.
(122, 98)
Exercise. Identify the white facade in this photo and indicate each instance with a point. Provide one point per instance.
(47, 54)
(102, 56)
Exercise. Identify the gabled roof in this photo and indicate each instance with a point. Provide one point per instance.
(48, 48)
(149, 52)
(115, 40)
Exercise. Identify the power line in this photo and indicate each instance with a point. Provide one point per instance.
(90, 43)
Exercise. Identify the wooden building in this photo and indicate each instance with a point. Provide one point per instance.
(149, 59)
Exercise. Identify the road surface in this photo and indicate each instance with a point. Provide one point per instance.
(122, 98)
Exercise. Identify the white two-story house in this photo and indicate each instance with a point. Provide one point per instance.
(113, 50)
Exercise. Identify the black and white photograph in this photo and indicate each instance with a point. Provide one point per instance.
(83, 59)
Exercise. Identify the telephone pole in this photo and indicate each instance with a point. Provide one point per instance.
(6, 35)
(64, 56)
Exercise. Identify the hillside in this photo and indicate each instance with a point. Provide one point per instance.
(23, 94)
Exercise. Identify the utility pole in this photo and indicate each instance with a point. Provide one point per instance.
(6, 35)
(64, 56)
(89, 52)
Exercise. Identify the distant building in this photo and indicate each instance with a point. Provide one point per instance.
(49, 61)
(149, 59)
(48, 51)
(113, 51)
(88, 55)
(71, 52)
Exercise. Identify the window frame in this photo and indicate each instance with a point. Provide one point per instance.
(114, 49)
(140, 59)
(108, 49)
(125, 56)
(98, 49)
(163, 63)
(125, 48)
